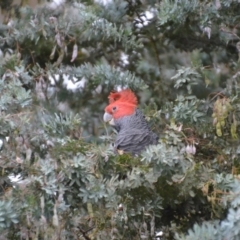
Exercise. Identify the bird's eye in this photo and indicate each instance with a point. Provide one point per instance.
(114, 108)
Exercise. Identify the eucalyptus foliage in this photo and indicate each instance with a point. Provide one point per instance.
(58, 63)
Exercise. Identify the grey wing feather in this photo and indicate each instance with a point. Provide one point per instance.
(135, 141)
(134, 134)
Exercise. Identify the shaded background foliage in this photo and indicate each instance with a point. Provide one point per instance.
(60, 60)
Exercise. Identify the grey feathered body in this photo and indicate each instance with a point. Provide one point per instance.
(134, 134)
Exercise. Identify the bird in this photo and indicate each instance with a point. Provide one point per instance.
(133, 131)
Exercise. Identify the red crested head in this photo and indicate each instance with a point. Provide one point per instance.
(125, 95)
(122, 104)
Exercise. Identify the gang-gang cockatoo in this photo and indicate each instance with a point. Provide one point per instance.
(134, 134)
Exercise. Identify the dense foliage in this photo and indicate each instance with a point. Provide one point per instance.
(58, 63)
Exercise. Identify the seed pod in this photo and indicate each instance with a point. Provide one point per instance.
(219, 132)
(222, 122)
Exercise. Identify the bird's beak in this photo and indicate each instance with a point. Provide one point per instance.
(108, 118)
